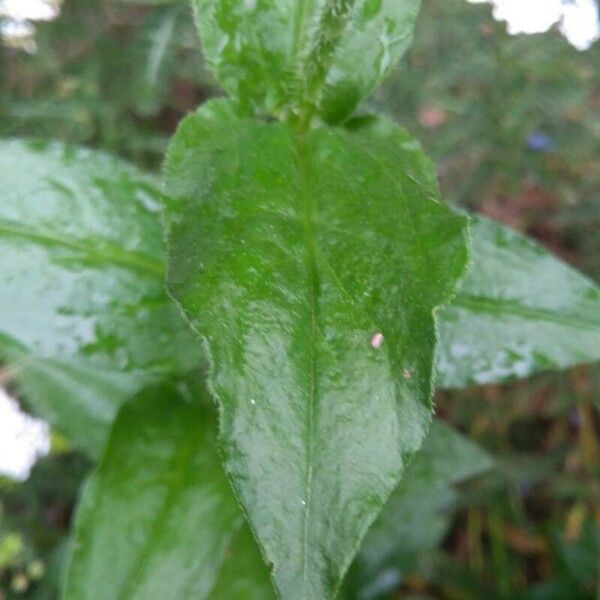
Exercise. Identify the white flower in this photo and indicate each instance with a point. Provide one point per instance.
(579, 19)
(23, 439)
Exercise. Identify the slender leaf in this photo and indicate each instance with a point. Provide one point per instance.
(158, 518)
(520, 310)
(155, 49)
(416, 516)
(306, 55)
(289, 254)
(84, 318)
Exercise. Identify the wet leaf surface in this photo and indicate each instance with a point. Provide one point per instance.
(84, 317)
(158, 518)
(289, 255)
(520, 310)
(416, 516)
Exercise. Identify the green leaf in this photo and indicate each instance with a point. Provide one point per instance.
(415, 518)
(520, 310)
(84, 318)
(157, 518)
(288, 255)
(320, 56)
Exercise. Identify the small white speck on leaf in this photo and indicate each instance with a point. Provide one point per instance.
(377, 341)
(407, 374)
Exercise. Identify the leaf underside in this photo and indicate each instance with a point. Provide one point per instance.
(288, 255)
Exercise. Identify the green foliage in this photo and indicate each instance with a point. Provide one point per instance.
(290, 246)
(108, 73)
(300, 59)
(36, 512)
(267, 258)
(476, 113)
(423, 497)
(171, 541)
(84, 319)
(519, 310)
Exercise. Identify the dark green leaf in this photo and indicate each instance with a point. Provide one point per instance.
(414, 519)
(84, 318)
(157, 518)
(320, 56)
(519, 310)
(288, 255)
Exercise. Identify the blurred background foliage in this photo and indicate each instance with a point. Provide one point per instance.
(513, 124)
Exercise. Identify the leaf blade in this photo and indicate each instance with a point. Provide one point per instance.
(393, 545)
(261, 228)
(81, 288)
(514, 293)
(519, 311)
(173, 540)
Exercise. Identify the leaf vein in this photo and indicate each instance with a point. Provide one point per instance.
(103, 250)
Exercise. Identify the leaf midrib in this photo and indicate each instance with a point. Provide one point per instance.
(314, 259)
(308, 219)
(496, 306)
(105, 251)
(301, 57)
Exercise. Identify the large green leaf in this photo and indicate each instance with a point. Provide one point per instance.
(158, 518)
(519, 310)
(84, 318)
(289, 254)
(416, 516)
(320, 56)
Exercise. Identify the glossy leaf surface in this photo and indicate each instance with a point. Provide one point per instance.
(416, 516)
(84, 318)
(519, 310)
(289, 254)
(158, 518)
(320, 56)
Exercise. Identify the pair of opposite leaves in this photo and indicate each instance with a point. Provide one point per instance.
(288, 253)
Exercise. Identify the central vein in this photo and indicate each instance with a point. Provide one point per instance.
(308, 217)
